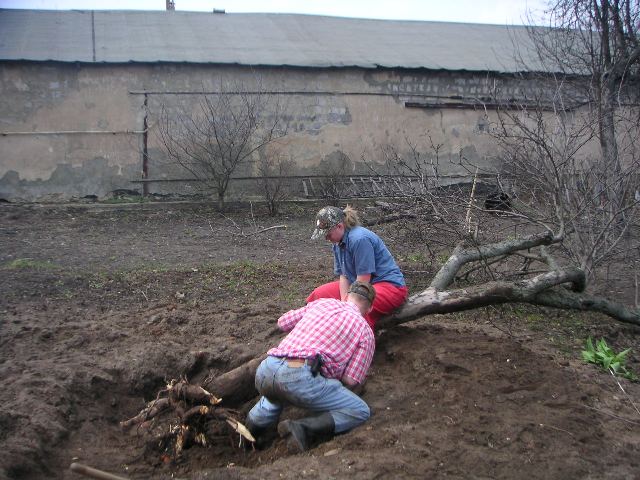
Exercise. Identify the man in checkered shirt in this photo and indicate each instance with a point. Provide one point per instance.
(317, 366)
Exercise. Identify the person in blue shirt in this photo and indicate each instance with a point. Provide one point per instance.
(359, 254)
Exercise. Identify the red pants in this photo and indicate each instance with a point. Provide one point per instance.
(388, 298)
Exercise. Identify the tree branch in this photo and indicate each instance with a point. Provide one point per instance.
(460, 256)
(432, 301)
(580, 301)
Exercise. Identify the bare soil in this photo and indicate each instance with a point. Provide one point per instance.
(101, 305)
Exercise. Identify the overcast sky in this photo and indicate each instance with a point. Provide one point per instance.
(510, 12)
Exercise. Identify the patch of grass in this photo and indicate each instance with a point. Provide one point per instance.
(290, 296)
(442, 258)
(602, 355)
(244, 273)
(535, 321)
(68, 294)
(142, 269)
(99, 280)
(564, 330)
(245, 276)
(418, 257)
(25, 263)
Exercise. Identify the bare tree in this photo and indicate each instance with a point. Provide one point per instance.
(570, 156)
(560, 185)
(595, 46)
(274, 185)
(221, 134)
(570, 145)
(559, 202)
(334, 169)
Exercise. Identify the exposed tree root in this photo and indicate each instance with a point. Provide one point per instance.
(152, 409)
(197, 419)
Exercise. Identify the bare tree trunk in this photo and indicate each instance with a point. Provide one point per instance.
(608, 142)
(237, 385)
(576, 301)
(432, 301)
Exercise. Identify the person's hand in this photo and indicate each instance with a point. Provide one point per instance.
(351, 384)
(274, 331)
(358, 389)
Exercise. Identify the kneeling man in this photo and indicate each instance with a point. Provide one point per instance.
(316, 367)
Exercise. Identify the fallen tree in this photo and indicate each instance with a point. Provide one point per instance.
(559, 287)
(545, 289)
(197, 415)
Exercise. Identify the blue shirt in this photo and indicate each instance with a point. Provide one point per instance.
(362, 252)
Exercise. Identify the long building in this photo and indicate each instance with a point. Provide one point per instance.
(81, 92)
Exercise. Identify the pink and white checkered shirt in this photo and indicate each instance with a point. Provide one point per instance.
(333, 329)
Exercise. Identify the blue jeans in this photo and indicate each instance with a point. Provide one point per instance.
(282, 385)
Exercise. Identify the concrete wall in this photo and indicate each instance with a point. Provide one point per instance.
(70, 130)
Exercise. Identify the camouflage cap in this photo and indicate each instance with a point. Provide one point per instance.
(363, 289)
(326, 219)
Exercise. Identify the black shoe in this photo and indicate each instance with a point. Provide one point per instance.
(257, 433)
(300, 432)
(255, 430)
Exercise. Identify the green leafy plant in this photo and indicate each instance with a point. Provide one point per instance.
(601, 354)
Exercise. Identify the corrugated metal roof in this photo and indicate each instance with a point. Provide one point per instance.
(256, 39)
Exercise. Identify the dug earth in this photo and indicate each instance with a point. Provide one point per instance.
(101, 306)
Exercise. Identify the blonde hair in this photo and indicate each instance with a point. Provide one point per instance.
(350, 217)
